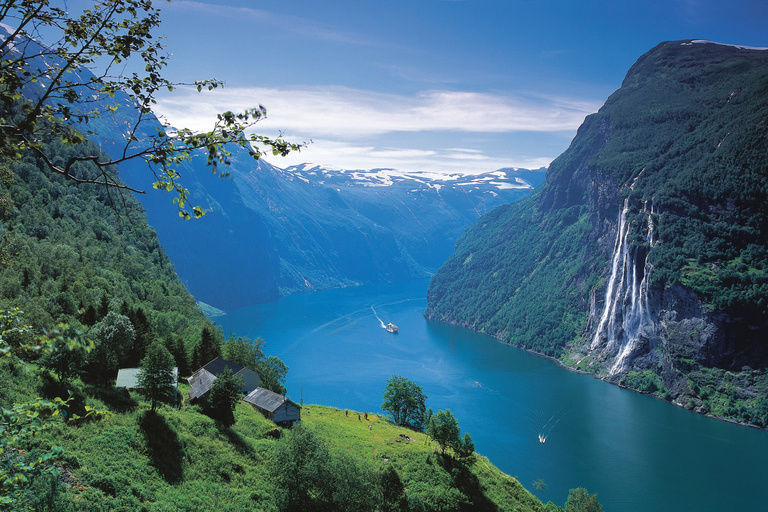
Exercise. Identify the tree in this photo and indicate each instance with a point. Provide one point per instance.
(208, 348)
(405, 401)
(179, 353)
(302, 471)
(68, 351)
(309, 476)
(272, 372)
(156, 377)
(466, 447)
(444, 429)
(579, 500)
(539, 485)
(250, 354)
(143, 329)
(114, 337)
(241, 350)
(24, 420)
(224, 395)
(74, 77)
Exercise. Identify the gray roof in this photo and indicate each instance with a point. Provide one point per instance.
(218, 365)
(200, 382)
(267, 400)
(128, 377)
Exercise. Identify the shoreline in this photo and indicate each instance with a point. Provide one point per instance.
(597, 377)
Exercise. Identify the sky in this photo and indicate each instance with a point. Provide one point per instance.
(443, 86)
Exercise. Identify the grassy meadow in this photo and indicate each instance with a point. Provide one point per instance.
(133, 459)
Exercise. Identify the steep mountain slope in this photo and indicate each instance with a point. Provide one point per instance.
(643, 258)
(66, 257)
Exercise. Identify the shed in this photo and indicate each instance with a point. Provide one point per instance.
(202, 380)
(274, 406)
(128, 378)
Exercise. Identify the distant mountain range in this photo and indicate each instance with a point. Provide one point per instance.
(272, 232)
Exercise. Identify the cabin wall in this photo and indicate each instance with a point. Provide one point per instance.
(250, 378)
(287, 412)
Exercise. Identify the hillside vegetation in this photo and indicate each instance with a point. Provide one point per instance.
(180, 459)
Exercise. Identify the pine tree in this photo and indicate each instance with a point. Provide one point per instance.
(224, 395)
(156, 377)
(209, 347)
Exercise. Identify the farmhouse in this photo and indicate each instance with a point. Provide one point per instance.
(276, 407)
(202, 380)
(128, 378)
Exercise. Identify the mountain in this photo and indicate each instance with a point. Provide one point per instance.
(424, 211)
(643, 257)
(271, 232)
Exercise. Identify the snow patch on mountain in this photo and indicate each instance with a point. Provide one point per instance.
(739, 46)
(500, 179)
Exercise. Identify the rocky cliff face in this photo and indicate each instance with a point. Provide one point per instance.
(647, 242)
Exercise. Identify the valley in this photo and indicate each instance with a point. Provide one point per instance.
(635, 263)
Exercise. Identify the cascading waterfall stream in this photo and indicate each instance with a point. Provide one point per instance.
(625, 315)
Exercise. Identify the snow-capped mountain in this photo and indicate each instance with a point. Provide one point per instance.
(279, 231)
(502, 179)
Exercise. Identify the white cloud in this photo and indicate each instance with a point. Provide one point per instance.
(359, 129)
(341, 112)
(464, 155)
(439, 162)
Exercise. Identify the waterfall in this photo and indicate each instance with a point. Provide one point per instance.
(626, 316)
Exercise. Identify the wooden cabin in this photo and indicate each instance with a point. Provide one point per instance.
(274, 406)
(202, 380)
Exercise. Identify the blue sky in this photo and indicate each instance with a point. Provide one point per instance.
(431, 85)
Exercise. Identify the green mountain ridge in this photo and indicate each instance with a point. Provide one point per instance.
(643, 257)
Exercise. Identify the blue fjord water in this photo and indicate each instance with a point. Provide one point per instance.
(636, 452)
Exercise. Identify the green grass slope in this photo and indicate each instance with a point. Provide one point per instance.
(180, 459)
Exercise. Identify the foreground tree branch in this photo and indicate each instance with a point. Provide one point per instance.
(55, 89)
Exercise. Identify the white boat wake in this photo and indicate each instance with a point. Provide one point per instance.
(383, 325)
(543, 431)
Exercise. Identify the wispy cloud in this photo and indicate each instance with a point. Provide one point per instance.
(438, 161)
(295, 25)
(361, 129)
(340, 112)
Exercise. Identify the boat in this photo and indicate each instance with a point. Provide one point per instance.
(390, 327)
